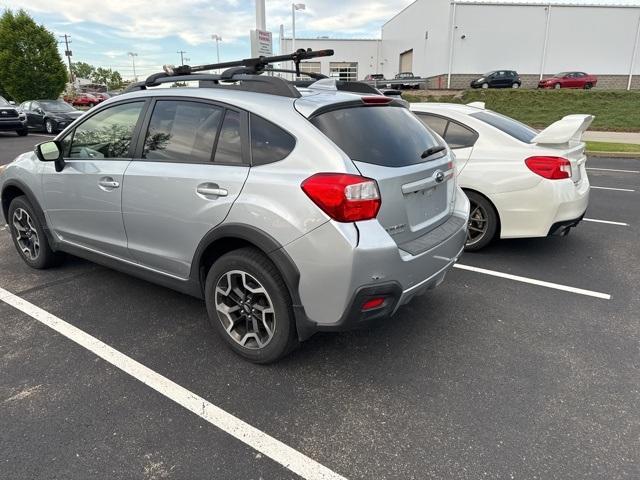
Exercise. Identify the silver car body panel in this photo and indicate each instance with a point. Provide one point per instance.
(156, 219)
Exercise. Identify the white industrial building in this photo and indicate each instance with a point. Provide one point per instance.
(449, 42)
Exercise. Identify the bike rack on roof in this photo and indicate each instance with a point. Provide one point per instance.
(239, 75)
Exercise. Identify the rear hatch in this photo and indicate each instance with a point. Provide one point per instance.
(386, 142)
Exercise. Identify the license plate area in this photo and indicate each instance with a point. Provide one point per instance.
(426, 206)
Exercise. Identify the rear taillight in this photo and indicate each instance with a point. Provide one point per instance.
(553, 168)
(345, 198)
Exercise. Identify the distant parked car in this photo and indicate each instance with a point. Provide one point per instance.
(82, 100)
(374, 76)
(101, 96)
(12, 118)
(521, 182)
(498, 79)
(407, 76)
(51, 116)
(569, 80)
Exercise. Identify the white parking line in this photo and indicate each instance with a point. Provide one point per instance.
(532, 281)
(611, 188)
(613, 170)
(608, 222)
(41, 135)
(288, 457)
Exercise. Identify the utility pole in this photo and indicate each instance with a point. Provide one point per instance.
(68, 53)
(181, 52)
(133, 56)
(218, 39)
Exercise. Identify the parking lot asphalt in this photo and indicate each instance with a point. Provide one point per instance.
(483, 377)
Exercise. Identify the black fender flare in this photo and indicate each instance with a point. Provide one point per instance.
(34, 203)
(276, 253)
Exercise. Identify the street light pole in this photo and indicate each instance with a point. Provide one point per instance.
(181, 52)
(294, 7)
(133, 60)
(218, 39)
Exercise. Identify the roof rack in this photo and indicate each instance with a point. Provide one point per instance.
(246, 72)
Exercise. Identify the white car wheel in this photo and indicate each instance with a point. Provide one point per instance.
(485, 85)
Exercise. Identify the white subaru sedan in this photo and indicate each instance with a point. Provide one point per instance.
(521, 182)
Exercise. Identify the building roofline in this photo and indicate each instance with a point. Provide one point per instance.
(543, 4)
(401, 11)
(332, 39)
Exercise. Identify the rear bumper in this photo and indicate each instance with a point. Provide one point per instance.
(340, 271)
(536, 211)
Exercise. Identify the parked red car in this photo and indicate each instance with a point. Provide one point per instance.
(82, 100)
(569, 80)
(101, 96)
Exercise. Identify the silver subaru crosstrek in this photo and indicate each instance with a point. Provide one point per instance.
(289, 213)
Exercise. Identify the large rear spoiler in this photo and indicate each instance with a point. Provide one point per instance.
(570, 128)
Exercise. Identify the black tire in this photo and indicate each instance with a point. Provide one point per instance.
(49, 127)
(482, 216)
(45, 257)
(283, 338)
(23, 133)
(588, 86)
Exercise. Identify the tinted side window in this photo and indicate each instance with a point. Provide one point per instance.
(437, 124)
(182, 131)
(388, 136)
(229, 149)
(106, 134)
(511, 127)
(269, 143)
(458, 136)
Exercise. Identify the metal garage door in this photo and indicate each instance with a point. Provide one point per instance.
(406, 61)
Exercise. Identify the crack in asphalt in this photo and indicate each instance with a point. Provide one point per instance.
(54, 283)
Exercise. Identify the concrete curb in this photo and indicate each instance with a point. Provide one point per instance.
(635, 155)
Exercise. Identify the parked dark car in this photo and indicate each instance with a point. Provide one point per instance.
(407, 76)
(498, 79)
(569, 80)
(12, 118)
(49, 115)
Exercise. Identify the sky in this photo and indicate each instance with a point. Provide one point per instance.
(104, 31)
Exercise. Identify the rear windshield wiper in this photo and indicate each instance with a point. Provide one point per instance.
(432, 151)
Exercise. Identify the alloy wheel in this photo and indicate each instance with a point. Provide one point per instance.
(26, 234)
(245, 309)
(478, 224)
(48, 126)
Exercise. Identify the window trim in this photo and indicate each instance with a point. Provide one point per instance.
(134, 135)
(295, 140)
(446, 129)
(244, 131)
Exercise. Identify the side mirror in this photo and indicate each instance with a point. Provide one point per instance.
(40, 111)
(50, 152)
(11, 102)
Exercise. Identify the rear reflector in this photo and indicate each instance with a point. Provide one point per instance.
(344, 197)
(372, 303)
(376, 100)
(553, 168)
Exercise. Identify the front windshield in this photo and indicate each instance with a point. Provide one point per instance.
(561, 74)
(488, 74)
(3, 101)
(56, 106)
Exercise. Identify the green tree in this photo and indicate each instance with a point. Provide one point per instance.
(31, 64)
(82, 69)
(105, 76)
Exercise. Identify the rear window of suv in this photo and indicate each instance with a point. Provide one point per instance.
(380, 135)
(511, 127)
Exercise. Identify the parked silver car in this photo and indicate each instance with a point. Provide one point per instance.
(289, 213)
